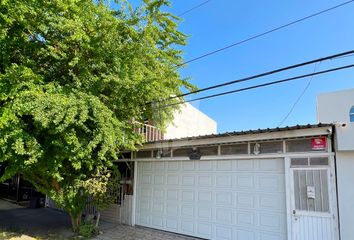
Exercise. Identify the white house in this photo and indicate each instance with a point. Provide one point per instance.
(338, 108)
(188, 122)
(270, 184)
(292, 183)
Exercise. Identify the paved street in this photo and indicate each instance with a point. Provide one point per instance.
(123, 232)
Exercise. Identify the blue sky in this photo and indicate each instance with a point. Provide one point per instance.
(222, 22)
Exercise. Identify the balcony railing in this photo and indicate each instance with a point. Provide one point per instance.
(149, 132)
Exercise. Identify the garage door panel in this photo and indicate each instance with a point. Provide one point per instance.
(223, 215)
(205, 166)
(188, 166)
(172, 224)
(223, 232)
(227, 199)
(245, 235)
(245, 181)
(224, 165)
(159, 193)
(206, 181)
(172, 195)
(273, 222)
(224, 198)
(172, 209)
(245, 200)
(173, 179)
(271, 165)
(188, 226)
(188, 211)
(274, 202)
(205, 213)
(223, 180)
(173, 166)
(205, 196)
(187, 195)
(146, 179)
(188, 180)
(204, 229)
(243, 165)
(271, 182)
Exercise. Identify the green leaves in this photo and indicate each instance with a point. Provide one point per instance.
(74, 75)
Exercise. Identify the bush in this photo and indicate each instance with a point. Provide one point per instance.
(88, 229)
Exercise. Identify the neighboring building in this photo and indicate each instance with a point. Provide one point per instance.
(338, 108)
(187, 122)
(270, 184)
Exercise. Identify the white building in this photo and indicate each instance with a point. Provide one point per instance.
(188, 122)
(292, 183)
(270, 184)
(338, 108)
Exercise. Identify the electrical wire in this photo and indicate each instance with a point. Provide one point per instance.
(261, 85)
(300, 96)
(334, 56)
(265, 33)
(193, 8)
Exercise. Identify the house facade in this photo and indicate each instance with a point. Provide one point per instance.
(264, 184)
(291, 183)
(338, 108)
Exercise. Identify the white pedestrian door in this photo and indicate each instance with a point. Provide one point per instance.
(313, 212)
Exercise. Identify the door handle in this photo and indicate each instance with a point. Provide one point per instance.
(296, 217)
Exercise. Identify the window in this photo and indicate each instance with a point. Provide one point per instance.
(267, 147)
(307, 162)
(234, 149)
(351, 114)
(302, 145)
(143, 154)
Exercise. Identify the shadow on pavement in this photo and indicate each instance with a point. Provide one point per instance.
(37, 222)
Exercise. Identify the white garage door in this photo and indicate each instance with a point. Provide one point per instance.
(223, 199)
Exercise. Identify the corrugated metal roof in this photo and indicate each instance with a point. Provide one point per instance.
(247, 132)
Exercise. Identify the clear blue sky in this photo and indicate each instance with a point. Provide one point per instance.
(222, 22)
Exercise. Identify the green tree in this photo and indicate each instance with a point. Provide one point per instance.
(74, 74)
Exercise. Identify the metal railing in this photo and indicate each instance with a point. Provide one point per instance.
(149, 132)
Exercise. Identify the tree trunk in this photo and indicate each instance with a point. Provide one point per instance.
(75, 222)
(98, 218)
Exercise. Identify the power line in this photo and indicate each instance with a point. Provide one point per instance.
(263, 85)
(264, 33)
(193, 8)
(338, 55)
(300, 96)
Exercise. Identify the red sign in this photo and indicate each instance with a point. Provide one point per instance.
(319, 143)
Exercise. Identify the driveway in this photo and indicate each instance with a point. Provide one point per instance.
(35, 222)
(123, 232)
(54, 224)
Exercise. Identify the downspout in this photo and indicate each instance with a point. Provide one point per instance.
(335, 171)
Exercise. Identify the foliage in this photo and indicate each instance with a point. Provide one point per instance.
(88, 230)
(74, 75)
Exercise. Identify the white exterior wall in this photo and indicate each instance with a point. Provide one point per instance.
(334, 108)
(188, 122)
(345, 180)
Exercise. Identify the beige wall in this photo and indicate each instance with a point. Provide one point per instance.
(188, 122)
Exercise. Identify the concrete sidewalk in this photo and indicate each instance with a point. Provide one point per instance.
(123, 232)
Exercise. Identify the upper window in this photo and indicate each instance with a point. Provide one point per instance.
(351, 114)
